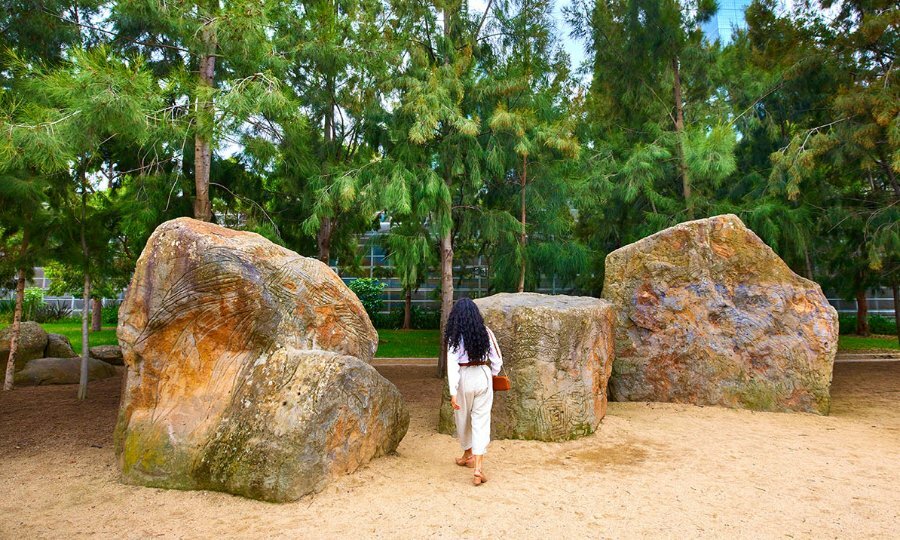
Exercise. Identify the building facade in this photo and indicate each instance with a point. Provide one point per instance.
(728, 18)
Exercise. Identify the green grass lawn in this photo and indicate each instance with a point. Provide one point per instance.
(408, 343)
(421, 343)
(391, 343)
(856, 343)
(72, 330)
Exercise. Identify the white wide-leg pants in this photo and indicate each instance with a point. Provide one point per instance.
(475, 396)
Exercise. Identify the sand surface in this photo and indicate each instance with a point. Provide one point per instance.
(652, 470)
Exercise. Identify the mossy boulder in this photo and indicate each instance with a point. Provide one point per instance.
(32, 344)
(247, 370)
(295, 421)
(111, 354)
(43, 371)
(708, 314)
(558, 353)
(59, 346)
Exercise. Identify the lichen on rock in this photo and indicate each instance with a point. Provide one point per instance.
(240, 353)
(557, 351)
(708, 314)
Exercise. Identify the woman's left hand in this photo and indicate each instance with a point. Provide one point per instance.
(454, 403)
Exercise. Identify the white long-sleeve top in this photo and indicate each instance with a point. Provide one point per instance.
(458, 355)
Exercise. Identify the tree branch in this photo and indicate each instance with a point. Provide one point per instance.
(484, 17)
(116, 36)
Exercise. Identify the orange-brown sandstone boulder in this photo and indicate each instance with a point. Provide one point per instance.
(558, 353)
(247, 369)
(709, 314)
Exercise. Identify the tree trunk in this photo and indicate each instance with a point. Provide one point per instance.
(323, 239)
(446, 293)
(446, 16)
(96, 314)
(809, 266)
(202, 139)
(407, 310)
(329, 116)
(16, 326)
(884, 163)
(326, 227)
(85, 345)
(8, 380)
(862, 313)
(896, 290)
(679, 133)
(523, 238)
(447, 237)
(86, 296)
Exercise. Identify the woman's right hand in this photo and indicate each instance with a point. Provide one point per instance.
(454, 403)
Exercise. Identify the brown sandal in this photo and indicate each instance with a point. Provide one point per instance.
(479, 478)
(468, 462)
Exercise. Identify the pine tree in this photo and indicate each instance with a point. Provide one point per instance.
(847, 150)
(111, 266)
(409, 249)
(343, 66)
(532, 130)
(768, 78)
(660, 143)
(30, 37)
(25, 221)
(437, 119)
(220, 59)
(74, 110)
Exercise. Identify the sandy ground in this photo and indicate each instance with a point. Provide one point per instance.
(652, 470)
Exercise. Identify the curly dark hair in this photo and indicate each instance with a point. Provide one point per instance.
(465, 323)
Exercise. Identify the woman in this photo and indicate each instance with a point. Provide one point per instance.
(472, 358)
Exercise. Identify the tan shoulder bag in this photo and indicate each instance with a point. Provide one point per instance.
(501, 383)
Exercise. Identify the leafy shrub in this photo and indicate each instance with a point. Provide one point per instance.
(111, 313)
(421, 319)
(7, 310)
(426, 319)
(368, 290)
(34, 300)
(882, 325)
(51, 312)
(877, 324)
(388, 321)
(34, 308)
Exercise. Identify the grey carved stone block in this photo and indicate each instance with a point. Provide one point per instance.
(558, 353)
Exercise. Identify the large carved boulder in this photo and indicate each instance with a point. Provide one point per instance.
(247, 369)
(709, 314)
(558, 352)
(31, 345)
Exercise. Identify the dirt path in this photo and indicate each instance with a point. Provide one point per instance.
(652, 470)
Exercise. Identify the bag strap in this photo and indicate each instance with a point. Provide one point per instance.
(496, 347)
